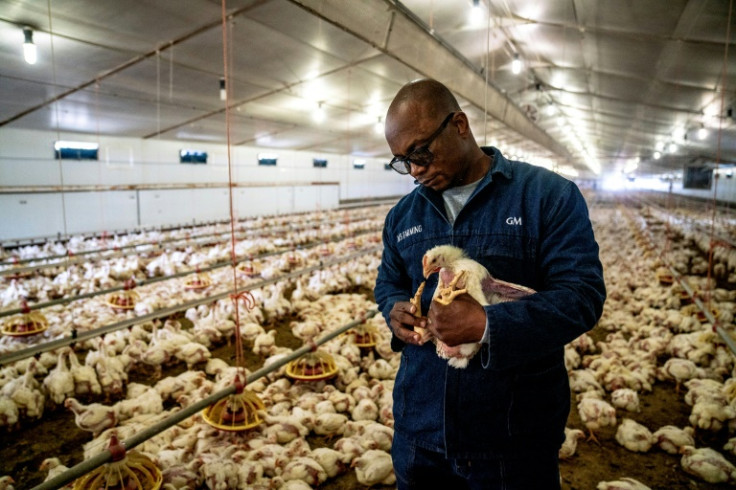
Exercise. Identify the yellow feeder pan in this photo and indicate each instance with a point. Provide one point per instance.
(685, 298)
(127, 471)
(125, 299)
(26, 324)
(250, 268)
(198, 281)
(312, 366)
(665, 277)
(364, 336)
(237, 412)
(293, 260)
(700, 315)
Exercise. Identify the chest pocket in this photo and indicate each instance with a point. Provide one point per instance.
(510, 258)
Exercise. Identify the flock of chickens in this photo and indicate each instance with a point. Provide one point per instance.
(316, 432)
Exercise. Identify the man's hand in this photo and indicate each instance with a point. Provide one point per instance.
(463, 321)
(403, 322)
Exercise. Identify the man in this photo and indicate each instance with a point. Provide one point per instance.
(499, 422)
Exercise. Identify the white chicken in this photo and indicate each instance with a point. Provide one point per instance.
(622, 484)
(459, 274)
(60, 382)
(707, 464)
(94, 417)
(374, 467)
(596, 414)
(671, 438)
(572, 436)
(625, 398)
(54, 468)
(634, 436)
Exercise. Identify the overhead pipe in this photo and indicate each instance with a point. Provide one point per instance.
(98, 460)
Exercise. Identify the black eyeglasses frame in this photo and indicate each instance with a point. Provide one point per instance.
(420, 156)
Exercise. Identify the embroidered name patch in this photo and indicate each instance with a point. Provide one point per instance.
(408, 232)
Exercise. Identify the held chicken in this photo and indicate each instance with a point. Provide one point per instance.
(459, 274)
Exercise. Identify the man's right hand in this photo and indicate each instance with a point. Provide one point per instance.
(403, 322)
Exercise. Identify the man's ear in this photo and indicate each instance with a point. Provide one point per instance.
(460, 120)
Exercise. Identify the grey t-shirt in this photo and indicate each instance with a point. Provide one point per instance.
(456, 197)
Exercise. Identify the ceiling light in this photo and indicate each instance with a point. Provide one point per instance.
(516, 64)
(30, 54)
(678, 134)
(223, 92)
(319, 115)
(702, 133)
(672, 148)
(378, 128)
(659, 146)
(657, 155)
(475, 14)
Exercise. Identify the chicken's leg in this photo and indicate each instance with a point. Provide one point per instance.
(424, 334)
(592, 437)
(449, 292)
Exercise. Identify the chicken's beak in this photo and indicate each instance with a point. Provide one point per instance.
(426, 269)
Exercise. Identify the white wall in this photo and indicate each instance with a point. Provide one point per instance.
(127, 187)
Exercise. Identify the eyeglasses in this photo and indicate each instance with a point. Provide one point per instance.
(419, 156)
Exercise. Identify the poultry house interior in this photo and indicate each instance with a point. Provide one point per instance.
(193, 203)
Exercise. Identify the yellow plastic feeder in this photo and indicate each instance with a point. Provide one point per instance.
(237, 412)
(312, 366)
(26, 324)
(129, 470)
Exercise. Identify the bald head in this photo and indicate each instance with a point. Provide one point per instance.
(428, 97)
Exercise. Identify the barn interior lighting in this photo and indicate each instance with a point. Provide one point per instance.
(30, 53)
(516, 64)
(702, 133)
(223, 92)
(378, 128)
(657, 155)
(672, 148)
(319, 114)
(475, 16)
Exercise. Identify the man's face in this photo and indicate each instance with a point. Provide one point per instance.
(427, 145)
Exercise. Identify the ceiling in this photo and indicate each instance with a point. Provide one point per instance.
(603, 84)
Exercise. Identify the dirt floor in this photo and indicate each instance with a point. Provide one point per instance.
(23, 450)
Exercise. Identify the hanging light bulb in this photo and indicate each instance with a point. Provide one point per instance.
(516, 64)
(657, 155)
(378, 128)
(223, 92)
(702, 133)
(30, 54)
(475, 16)
(319, 115)
(672, 148)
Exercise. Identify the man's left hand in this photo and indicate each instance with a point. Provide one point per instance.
(462, 321)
